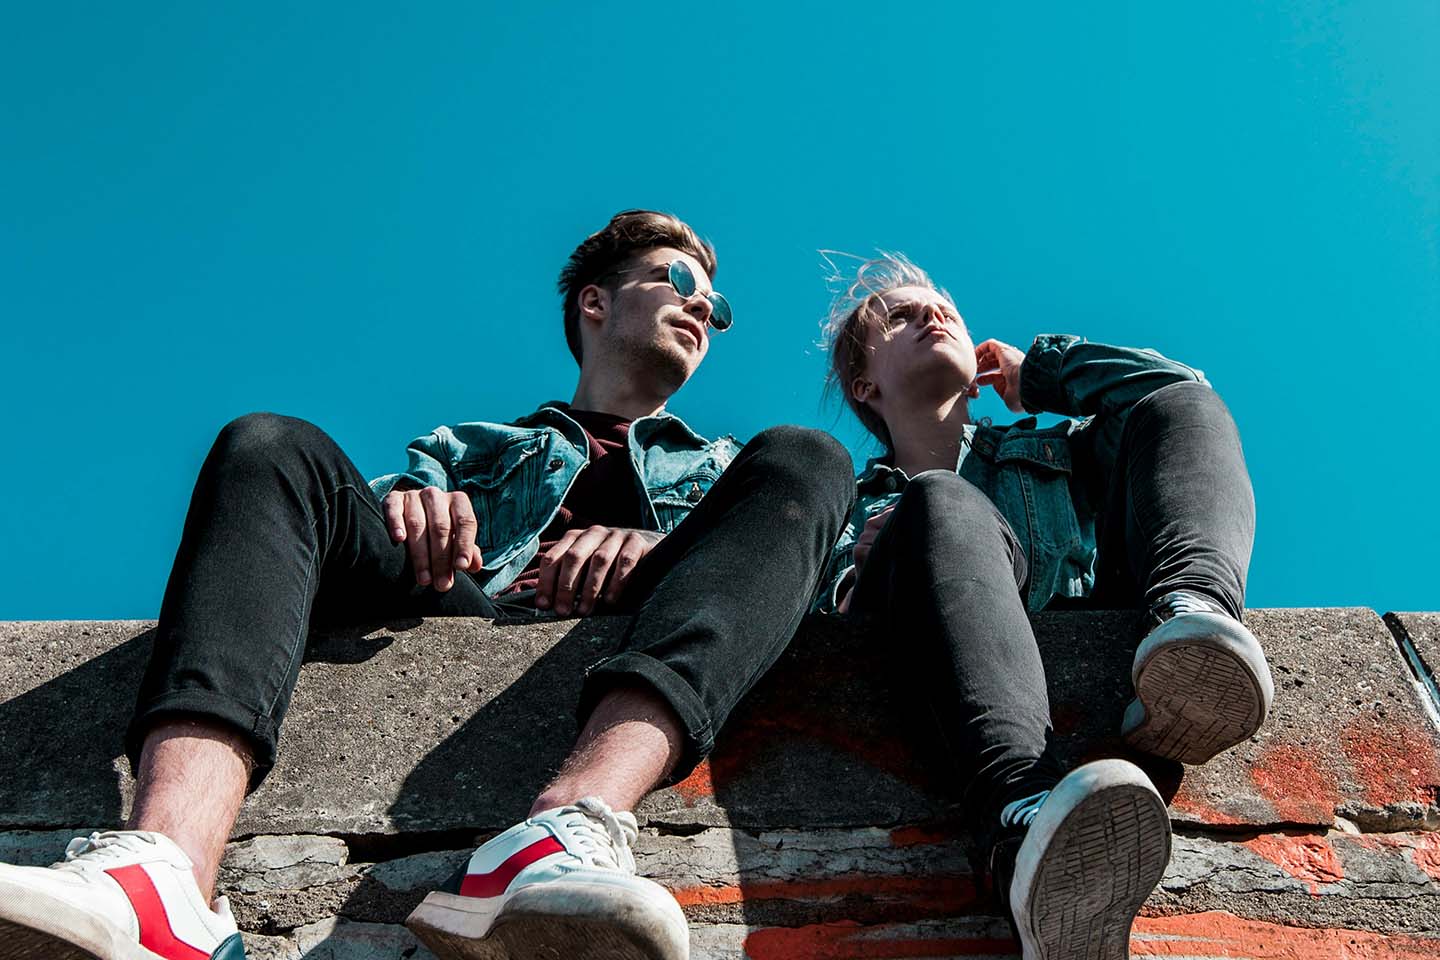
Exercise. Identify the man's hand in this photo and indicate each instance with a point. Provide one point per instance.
(585, 563)
(867, 538)
(999, 365)
(438, 529)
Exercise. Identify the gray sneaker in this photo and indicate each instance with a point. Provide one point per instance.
(1076, 875)
(1201, 682)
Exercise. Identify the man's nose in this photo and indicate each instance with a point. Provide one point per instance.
(699, 307)
(935, 312)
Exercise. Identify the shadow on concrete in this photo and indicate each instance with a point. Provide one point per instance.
(81, 716)
(482, 778)
(836, 735)
(842, 733)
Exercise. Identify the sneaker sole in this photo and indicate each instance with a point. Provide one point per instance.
(1102, 842)
(550, 922)
(1201, 687)
(34, 926)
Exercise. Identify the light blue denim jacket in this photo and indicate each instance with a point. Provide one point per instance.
(517, 475)
(1026, 469)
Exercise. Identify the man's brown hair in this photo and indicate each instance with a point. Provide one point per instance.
(606, 252)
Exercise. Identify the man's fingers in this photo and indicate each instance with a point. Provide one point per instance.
(394, 509)
(463, 529)
(415, 543)
(632, 551)
(550, 569)
(598, 570)
(437, 519)
(572, 565)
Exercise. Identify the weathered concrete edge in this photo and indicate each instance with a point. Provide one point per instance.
(1422, 656)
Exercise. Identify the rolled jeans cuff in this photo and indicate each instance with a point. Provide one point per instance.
(627, 668)
(261, 731)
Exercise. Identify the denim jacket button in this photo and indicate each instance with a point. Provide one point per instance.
(556, 463)
(890, 484)
(695, 493)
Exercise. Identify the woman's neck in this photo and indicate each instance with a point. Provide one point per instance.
(929, 438)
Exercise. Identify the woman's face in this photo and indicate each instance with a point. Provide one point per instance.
(919, 348)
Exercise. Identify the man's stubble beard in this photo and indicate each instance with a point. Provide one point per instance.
(657, 360)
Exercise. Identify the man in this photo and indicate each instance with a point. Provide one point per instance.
(1141, 499)
(608, 503)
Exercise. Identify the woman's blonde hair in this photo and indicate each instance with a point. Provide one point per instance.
(853, 314)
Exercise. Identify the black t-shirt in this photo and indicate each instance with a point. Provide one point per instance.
(604, 494)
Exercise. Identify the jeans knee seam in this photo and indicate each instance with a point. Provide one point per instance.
(298, 641)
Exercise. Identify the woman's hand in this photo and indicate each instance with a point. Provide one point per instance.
(999, 365)
(867, 538)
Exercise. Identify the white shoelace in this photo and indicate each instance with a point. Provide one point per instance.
(1173, 604)
(605, 837)
(1019, 813)
(92, 852)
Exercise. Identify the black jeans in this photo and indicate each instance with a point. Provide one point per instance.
(283, 533)
(945, 577)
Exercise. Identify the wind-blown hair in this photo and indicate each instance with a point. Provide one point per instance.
(855, 295)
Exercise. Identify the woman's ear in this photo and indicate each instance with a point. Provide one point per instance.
(862, 390)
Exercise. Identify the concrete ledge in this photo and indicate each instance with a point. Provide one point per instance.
(821, 827)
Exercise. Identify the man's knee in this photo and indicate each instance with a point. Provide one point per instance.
(269, 438)
(807, 458)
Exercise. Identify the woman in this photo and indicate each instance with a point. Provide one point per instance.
(960, 528)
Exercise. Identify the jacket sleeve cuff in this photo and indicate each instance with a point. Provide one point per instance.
(381, 486)
(1041, 387)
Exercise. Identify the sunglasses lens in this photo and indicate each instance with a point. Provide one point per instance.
(682, 279)
(684, 283)
(720, 316)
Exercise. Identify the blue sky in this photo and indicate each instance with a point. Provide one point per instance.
(355, 214)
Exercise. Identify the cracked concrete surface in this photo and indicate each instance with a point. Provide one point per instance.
(823, 825)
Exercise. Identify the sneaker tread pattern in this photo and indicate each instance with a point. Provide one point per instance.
(1098, 872)
(1199, 700)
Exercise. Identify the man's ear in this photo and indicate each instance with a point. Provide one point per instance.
(594, 302)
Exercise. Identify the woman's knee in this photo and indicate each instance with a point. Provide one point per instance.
(943, 493)
(941, 502)
(942, 515)
(1182, 403)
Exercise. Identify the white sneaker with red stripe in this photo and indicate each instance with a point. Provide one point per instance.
(561, 884)
(126, 895)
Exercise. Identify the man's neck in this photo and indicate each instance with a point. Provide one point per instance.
(615, 393)
(928, 437)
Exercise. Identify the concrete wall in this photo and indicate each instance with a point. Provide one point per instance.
(824, 826)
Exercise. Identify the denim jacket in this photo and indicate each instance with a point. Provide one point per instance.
(1026, 470)
(517, 475)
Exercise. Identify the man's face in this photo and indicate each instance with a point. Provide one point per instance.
(917, 346)
(651, 322)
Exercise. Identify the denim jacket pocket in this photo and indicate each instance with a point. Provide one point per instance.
(1034, 475)
(506, 489)
(674, 501)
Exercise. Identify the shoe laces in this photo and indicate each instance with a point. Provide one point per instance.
(603, 836)
(1180, 601)
(99, 848)
(1020, 813)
